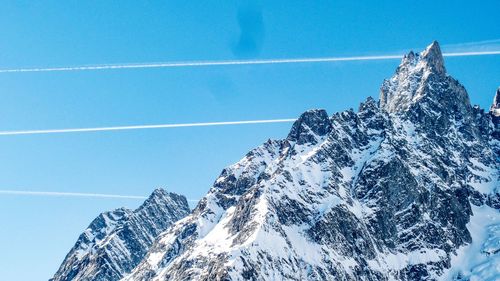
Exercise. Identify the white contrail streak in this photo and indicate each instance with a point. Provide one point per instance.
(232, 62)
(198, 63)
(466, 54)
(140, 127)
(74, 194)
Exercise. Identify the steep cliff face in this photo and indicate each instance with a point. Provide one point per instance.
(116, 241)
(402, 190)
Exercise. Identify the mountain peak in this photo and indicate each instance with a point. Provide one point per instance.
(310, 125)
(369, 104)
(158, 193)
(160, 196)
(116, 241)
(495, 107)
(433, 57)
(422, 78)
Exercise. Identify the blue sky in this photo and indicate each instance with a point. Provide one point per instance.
(36, 232)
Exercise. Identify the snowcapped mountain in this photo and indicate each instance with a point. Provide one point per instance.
(403, 189)
(116, 241)
(406, 188)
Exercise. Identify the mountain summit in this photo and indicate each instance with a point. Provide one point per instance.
(407, 189)
(116, 241)
(495, 107)
(423, 78)
(433, 58)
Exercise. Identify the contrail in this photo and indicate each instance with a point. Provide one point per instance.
(74, 194)
(465, 54)
(197, 63)
(483, 46)
(140, 127)
(232, 62)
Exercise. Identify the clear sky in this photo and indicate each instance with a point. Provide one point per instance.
(37, 232)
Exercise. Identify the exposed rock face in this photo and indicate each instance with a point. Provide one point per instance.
(116, 241)
(394, 191)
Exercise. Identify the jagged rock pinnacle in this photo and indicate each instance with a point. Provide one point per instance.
(495, 107)
(422, 78)
(433, 57)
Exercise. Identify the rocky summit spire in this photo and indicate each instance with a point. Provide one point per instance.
(495, 107)
(422, 78)
(433, 58)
